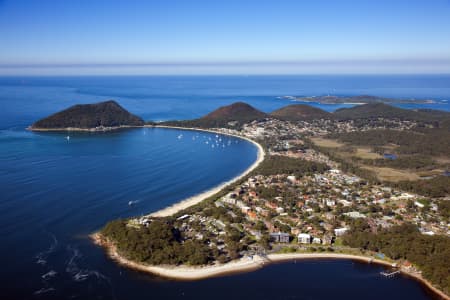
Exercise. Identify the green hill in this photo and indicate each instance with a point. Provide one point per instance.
(89, 116)
(231, 115)
(300, 112)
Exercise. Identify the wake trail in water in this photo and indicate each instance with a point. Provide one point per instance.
(41, 257)
(79, 274)
(44, 290)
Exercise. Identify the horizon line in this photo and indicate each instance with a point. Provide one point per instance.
(188, 63)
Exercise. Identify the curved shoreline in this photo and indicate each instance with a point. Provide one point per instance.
(188, 273)
(243, 265)
(307, 256)
(193, 200)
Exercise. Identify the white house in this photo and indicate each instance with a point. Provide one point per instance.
(304, 238)
(317, 240)
(340, 231)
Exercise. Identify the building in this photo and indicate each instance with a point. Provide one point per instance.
(280, 237)
(304, 238)
(330, 202)
(317, 240)
(355, 215)
(340, 231)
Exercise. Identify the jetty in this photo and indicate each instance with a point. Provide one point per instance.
(390, 274)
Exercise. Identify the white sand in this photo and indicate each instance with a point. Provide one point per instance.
(173, 209)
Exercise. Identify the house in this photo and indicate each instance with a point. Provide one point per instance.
(355, 215)
(271, 205)
(304, 238)
(229, 199)
(245, 209)
(280, 237)
(418, 204)
(330, 202)
(345, 202)
(291, 178)
(340, 231)
(253, 194)
(262, 211)
(407, 266)
(279, 210)
(251, 215)
(317, 240)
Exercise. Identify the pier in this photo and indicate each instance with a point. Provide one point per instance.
(390, 274)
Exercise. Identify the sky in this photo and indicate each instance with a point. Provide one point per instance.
(93, 37)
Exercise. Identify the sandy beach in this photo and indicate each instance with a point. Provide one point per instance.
(173, 209)
(245, 264)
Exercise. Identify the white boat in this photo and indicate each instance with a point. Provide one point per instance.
(68, 138)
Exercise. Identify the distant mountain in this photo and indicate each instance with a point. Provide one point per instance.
(299, 112)
(231, 115)
(89, 116)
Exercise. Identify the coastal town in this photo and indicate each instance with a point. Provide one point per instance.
(295, 200)
(283, 212)
(225, 150)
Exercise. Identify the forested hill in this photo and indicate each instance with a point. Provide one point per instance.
(381, 110)
(231, 115)
(90, 116)
(299, 112)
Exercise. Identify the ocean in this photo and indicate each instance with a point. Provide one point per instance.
(55, 191)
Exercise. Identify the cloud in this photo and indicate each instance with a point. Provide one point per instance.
(344, 66)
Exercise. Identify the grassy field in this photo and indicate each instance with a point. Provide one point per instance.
(328, 143)
(383, 173)
(390, 174)
(366, 153)
(361, 152)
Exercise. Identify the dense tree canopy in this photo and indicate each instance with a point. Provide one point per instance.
(430, 253)
(159, 243)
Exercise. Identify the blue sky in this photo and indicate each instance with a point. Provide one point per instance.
(224, 37)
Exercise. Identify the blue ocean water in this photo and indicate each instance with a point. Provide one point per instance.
(54, 191)
(24, 99)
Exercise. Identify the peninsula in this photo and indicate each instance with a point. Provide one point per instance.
(322, 187)
(302, 201)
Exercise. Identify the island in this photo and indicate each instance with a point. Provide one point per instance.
(360, 99)
(368, 183)
(103, 116)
